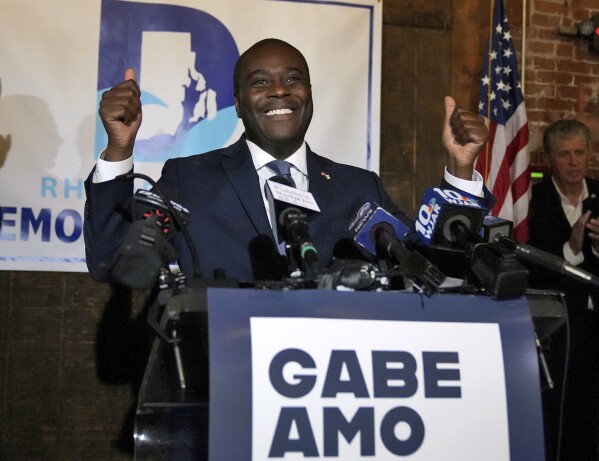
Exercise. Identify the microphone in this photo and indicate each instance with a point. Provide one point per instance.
(178, 220)
(354, 274)
(376, 230)
(145, 250)
(289, 208)
(440, 209)
(494, 226)
(148, 204)
(499, 230)
(369, 215)
(143, 253)
(494, 268)
(545, 259)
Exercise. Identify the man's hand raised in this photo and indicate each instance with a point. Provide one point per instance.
(464, 134)
(120, 111)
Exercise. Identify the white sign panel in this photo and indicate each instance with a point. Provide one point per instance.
(340, 389)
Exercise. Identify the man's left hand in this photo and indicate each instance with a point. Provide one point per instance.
(464, 134)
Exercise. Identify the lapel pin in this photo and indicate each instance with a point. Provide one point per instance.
(326, 175)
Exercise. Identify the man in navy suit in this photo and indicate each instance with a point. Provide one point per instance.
(223, 189)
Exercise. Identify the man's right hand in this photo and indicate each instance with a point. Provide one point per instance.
(120, 111)
(577, 235)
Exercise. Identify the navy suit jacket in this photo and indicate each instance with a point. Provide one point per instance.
(229, 224)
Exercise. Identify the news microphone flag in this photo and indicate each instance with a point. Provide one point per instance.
(367, 217)
(440, 207)
(504, 163)
(374, 227)
(281, 196)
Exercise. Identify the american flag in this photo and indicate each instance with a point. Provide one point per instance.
(505, 161)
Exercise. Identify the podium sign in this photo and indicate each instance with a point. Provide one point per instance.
(315, 374)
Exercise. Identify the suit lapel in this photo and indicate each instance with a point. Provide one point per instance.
(239, 168)
(320, 180)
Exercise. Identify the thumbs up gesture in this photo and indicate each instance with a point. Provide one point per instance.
(464, 134)
(120, 111)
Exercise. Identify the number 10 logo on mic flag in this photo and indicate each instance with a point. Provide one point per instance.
(439, 208)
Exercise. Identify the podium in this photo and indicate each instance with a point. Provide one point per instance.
(172, 412)
(323, 374)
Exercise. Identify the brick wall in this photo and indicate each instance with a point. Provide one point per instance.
(561, 72)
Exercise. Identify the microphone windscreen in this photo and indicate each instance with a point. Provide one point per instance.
(139, 259)
(368, 216)
(281, 197)
(439, 209)
(143, 253)
(147, 204)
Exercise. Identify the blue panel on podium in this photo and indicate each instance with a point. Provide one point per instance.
(315, 374)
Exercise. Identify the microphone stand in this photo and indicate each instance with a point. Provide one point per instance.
(167, 279)
(301, 251)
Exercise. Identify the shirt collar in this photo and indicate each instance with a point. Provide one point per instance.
(584, 193)
(260, 157)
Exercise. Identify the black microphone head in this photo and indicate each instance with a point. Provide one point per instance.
(455, 224)
(147, 204)
(379, 230)
(141, 256)
(288, 206)
(364, 223)
(494, 226)
(283, 215)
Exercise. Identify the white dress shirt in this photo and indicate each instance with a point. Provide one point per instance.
(573, 213)
(105, 171)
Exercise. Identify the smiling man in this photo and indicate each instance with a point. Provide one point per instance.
(223, 189)
(273, 97)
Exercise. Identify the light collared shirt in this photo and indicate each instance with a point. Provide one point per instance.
(573, 213)
(106, 171)
(298, 170)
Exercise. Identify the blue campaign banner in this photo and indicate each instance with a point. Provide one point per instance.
(315, 374)
(184, 53)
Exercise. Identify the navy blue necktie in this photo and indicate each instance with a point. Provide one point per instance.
(281, 168)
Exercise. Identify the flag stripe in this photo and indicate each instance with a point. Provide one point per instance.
(483, 161)
(511, 139)
(508, 178)
(505, 162)
(513, 162)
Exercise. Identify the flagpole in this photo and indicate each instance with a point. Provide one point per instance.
(523, 53)
(487, 146)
